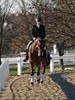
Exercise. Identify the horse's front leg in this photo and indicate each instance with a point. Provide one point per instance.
(31, 74)
(38, 74)
(42, 73)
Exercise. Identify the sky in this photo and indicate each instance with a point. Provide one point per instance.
(15, 6)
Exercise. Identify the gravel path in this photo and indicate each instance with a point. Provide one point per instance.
(59, 86)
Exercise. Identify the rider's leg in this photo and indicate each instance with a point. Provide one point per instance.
(27, 48)
(26, 55)
(44, 52)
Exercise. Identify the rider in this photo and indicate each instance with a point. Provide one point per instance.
(38, 31)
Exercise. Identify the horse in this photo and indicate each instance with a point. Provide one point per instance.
(37, 58)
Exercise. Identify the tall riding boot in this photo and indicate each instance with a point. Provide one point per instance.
(44, 53)
(26, 56)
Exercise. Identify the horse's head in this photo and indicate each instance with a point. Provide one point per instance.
(38, 46)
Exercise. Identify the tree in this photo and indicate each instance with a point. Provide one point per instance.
(57, 17)
(22, 25)
(5, 7)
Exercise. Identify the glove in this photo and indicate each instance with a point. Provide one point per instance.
(34, 38)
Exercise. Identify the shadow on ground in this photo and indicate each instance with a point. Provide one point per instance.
(67, 87)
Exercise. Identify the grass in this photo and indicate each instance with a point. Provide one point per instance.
(13, 71)
(69, 65)
(25, 70)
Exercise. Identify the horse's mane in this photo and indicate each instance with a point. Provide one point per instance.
(35, 44)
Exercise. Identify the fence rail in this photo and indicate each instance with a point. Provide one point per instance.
(67, 58)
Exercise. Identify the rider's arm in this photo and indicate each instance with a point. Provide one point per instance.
(34, 38)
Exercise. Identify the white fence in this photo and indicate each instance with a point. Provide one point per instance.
(16, 60)
(68, 59)
(4, 73)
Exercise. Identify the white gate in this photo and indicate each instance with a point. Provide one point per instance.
(68, 59)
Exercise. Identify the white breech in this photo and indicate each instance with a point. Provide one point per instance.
(28, 44)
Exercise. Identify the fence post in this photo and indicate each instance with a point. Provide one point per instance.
(20, 63)
(19, 66)
(54, 49)
(51, 64)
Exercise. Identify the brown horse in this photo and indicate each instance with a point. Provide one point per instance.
(37, 59)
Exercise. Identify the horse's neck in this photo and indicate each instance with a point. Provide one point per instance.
(34, 44)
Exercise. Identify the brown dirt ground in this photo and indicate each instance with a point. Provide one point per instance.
(59, 86)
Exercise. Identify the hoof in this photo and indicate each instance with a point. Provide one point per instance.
(41, 82)
(38, 80)
(32, 83)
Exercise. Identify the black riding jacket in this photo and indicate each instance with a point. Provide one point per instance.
(38, 32)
